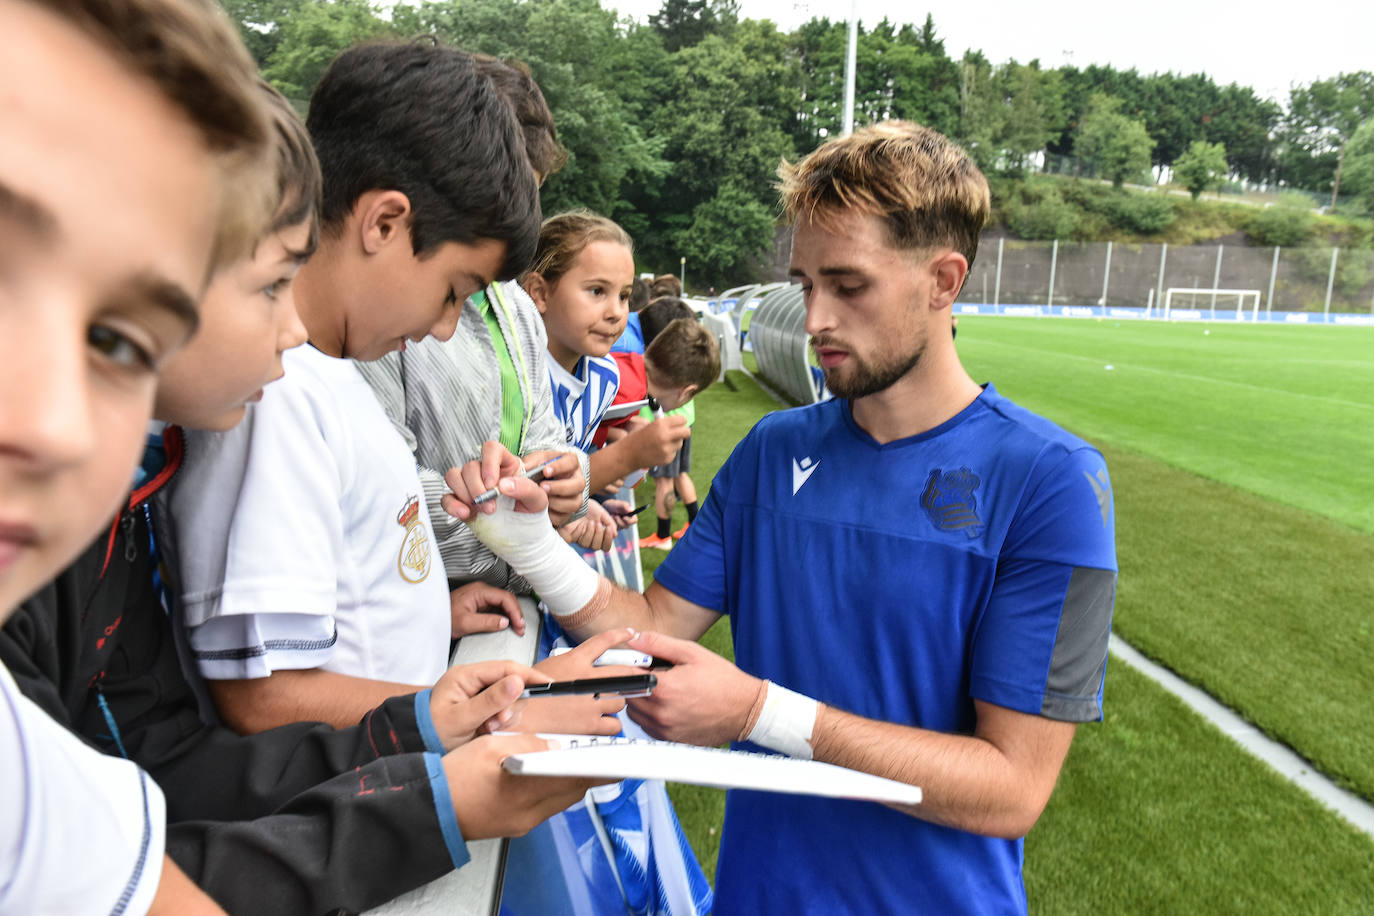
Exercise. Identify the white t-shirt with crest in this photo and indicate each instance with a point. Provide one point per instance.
(302, 537)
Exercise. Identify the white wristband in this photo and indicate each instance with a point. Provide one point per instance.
(786, 722)
(528, 542)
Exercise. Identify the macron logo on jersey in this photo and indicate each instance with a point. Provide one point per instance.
(1102, 489)
(802, 471)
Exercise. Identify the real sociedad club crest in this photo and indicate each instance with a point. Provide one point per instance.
(414, 558)
(949, 501)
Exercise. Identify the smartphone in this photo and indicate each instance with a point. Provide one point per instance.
(613, 657)
(634, 685)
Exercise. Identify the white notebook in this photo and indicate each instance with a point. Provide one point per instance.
(594, 757)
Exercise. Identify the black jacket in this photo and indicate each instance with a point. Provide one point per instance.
(299, 819)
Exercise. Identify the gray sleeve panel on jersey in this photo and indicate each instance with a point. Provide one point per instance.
(1080, 647)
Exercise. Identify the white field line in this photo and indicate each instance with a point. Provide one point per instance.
(1185, 375)
(1288, 764)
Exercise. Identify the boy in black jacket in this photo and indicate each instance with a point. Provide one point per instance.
(303, 818)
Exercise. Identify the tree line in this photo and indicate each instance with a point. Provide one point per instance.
(675, 127)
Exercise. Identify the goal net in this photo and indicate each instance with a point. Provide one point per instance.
(1207, 303)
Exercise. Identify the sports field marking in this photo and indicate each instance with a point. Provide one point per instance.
(1184, 375)
(1285, 762)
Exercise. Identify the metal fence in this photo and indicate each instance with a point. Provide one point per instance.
(1326, 280)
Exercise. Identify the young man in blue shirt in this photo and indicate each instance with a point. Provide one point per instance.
(919, 574)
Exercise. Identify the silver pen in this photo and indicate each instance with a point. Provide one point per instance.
(534, 473)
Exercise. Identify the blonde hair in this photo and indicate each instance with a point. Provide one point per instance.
(296, 169)
(194, 56)
(924, 188)
(562, 238)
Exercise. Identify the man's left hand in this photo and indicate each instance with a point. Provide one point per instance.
(703, 699)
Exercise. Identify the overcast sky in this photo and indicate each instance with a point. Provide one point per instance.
(1262, 44)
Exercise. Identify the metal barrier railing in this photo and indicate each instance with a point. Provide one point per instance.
(778, 332)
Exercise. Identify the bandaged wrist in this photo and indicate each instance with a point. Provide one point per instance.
(782, 720)
(531, 546)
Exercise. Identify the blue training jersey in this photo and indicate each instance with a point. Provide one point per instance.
(900, 582)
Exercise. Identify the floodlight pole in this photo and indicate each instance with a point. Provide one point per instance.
(851, 54)
(682, 278)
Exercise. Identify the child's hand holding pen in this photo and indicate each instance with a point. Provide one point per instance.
(471, 483)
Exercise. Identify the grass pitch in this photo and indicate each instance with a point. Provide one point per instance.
(1286, 412)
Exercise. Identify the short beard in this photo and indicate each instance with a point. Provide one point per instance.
(864, 379)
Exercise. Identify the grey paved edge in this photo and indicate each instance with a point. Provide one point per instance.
(767, 388)
(1289, 765)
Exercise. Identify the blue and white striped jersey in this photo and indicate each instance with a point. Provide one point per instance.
(580, 398)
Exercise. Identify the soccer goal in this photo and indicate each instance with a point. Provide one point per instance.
(1210, 301)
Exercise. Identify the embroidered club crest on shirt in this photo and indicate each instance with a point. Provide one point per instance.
(414, 558)
(949, 501)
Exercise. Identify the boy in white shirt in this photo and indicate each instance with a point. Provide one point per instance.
(309, 573)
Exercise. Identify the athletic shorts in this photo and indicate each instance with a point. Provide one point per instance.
(681, 463)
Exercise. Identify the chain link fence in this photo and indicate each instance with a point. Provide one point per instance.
(1010, 271)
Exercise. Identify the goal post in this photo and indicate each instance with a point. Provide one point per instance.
(1210, 301)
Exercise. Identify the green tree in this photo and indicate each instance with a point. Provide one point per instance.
(900, 73)
(313, 36)
(1033, 99)
(1287, 222)
(683, 23)
(1322, 118)
(259, 23)
(1118, 146)
(576, 52)
(1201, 167)
(725, 234)
(1359, 166)
(982, 116)
(720, 115)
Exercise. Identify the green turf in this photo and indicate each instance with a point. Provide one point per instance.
(1266, 607)
(1158, 812)
(1286, 412)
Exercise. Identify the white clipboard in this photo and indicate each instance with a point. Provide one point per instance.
(627, 409)
(593, 757)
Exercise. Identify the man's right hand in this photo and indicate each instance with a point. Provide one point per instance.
(658, 442)
(490, 802)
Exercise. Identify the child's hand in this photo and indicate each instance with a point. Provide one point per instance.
(587, 715)
(658, 442)
(621, 512)
(489, 802)
(497, 466)
(470, 699)
(563, 481)
(594, 531)
(481, 608)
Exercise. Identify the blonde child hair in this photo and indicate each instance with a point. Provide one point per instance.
(562, 238)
